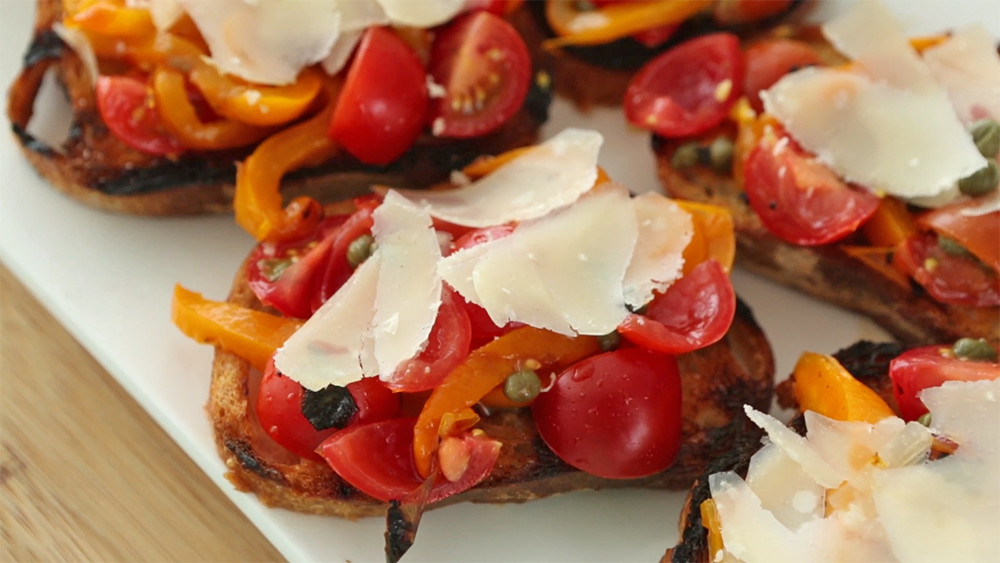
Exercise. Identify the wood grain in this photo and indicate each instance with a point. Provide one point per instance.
(85, 473)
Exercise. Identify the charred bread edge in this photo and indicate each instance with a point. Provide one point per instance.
(826, 271)
(716, 382)
(867, 361)
(95, 168)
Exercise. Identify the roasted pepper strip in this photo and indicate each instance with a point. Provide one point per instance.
(484, 369)
(181, 119)
(252, 335)
(713, 235)
(824, 386)
(879, 258)
(711, 521)
(112, 19)
(146, 52)
(256, 104)
(609, 23)
(258, 202)
(890, 225)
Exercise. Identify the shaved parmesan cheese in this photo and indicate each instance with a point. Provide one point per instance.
(664, 231)
(563, 273)
(327, 349)
(408, 292)
(165, 13)
(341, 51)
(968, 67)
(784, 489)
(546, 177)
(421, 13)
(797, 448)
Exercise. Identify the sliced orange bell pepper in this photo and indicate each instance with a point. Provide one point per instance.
(162, 48)
(615, 21)
(181, 119)
(711, 522)
(113, 19)
(252, 335)
(487, 367)
(256, 104)
(824, 386)
(750, 129)
(879, 258)
(713, 235)
(891, 223)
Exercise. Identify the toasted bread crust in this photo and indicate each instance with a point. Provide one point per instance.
(716, 383)
(827, 271)
(94, 167)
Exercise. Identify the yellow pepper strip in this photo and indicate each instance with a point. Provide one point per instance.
(484, 369)
(181, 120)
(826, 387)
(711, 522)
(252, 335)
(112, 19)
(615, 21)
(258, 201)
(921, 44)
(162, 48)
(713, 235)
(257, 105)
(879, 258)
(891, 223)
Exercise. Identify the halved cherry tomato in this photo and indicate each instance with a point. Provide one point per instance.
(377, 458)
(483, 328)
(484, 67)
(688, 89)
(447, 347)
(798, 198)
(768, 61)
(127, 108)
(948, 278)
(383, 106)
(615, 415)
(930, 366)
(279, 410)
(693, 313)
(338, 269)
(977, 233)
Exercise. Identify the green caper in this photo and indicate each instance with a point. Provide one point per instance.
(522, 385)
(360, 249)
(720, 154)
(952, 246)
(272, 268)
(685, 156)
(974, 349)
(986, 135)
(982, 181)
(925, 419)
(609, 341)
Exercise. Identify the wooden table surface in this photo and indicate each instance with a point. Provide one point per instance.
(85, 473)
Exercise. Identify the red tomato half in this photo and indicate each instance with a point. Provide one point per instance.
(768, 61)
(447, 347)
(946, 277)
(126, 107)
(931, 366)
(383, 105)
(377, 458)
(693, 313)
(798, 198)
(615, 415)
(484, 67)
(980, 234)
(688, 89)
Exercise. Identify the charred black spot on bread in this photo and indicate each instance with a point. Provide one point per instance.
(399, 532)
(44, 46)
(29, 142)
(539, 97)
(868, 360)
(249, 460)
(167, 175)
(657, 142)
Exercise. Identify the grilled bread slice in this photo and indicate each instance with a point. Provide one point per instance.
(94, 167)
(716, 382)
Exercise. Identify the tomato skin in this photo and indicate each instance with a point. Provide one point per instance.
(931, 366)
(377, 459)
(485, 69)
(694, 312)
(383, 105)
(742, 12)
(615, 415)
(978, 233)
(798, 198)
(767, 61)
(279, 410)
(947, 278)
(676, 93)
(447, 347)
(375, 401)
(126, 107)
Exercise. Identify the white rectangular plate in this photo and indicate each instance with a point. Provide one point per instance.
(108, 279)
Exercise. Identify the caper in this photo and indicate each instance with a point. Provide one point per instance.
(974, 349)
(522, 385)
(982, 181)
(925, 419)
(272, 268)
(609, 341)
(720, 154)
(685, 156)
(360, 249)
(986, 135)
(952, 246)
